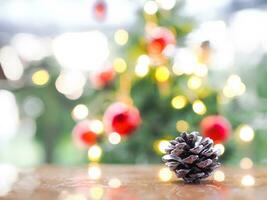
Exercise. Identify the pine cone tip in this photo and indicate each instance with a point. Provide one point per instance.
(191, 157)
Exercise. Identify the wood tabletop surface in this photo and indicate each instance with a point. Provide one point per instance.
(132, 182)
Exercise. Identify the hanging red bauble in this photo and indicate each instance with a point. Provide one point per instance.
(103, 78)
(121, 118)
(100, 10)
(159, 39)
(216, 127)
(83, 135)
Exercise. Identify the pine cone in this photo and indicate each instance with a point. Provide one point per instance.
(191, 157)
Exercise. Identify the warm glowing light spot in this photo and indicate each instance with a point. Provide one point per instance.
(141, 70)
(162, 145)
(246, 163)
(179, 102)
(121, 37)
(162, 74)
(40, 77)
(194, 82)
(246, 133)
(80, 112)
(143, 60)
(248, 180)
(94, 172)
(165, 174)
(114, 183)
(234, 86)
(219, 176)
(199, 107)
(220, 148)
(97, 126)
(119, 65)
(182, 126)
(94, 153)
(96, 192)
(114, 138)
(151, 7)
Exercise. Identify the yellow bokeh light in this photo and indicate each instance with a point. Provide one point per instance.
(246, 163)
(150, 7)
(141, 70)
(80, 112)
(94, 172)
(114, 183)
(40, 77)
(94, 153)
(97, 126)
(246, 133)
(162, 145)
(162, 74)
(194, 82)
(96, 192)
(182, 126)
(220, 147)
(248, 180)
(179, 102)
(219, 176)
(234, 86)
(121, 37)
(114, 138)
(119, 65)
(165, 174)
(199, 107)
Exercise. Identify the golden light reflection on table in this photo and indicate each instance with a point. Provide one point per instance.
(94, 172)
(248, 180)
(165, 174)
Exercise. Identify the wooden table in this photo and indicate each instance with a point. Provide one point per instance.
(133, 182)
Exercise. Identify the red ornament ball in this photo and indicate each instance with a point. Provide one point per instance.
(216, 127)
(103, 78)
(100, 10)
(83, 136)
(159, 39)
(121, 118)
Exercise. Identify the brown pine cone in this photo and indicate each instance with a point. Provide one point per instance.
(191, 157)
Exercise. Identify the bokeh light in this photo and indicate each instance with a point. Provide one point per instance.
(119, 65)
(165, 174)
(114, 138)
(94, 153)
(97, 126)
(194, 82)
(80, 112)
(94, 172)
(246, 133)
(199, 107)
(182, 126)
(246, 163)
(179, 102)
(96, 192)
(162, 74)
(151, 7)
(248, 181)
(220, 148)
(121, 37)
(114, 183)
(219, 176)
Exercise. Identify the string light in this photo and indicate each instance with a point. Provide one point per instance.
(246, 133)
(179, 102)
(94, 172)
(248, 180)
(220, 147)
(165, 174)
(114, 183)
(246, 163)
(114, 138)
(219, 176)
(121, 37)
(96, 192)
(162, 74)
(40, 77)
(150, 7)
(166, 4)
(80, 112)
(94, 153)
(119, 65)
(162, 145)
(182, 126)
(234, 86)
(141, 70)
(199, 107)
(97, 126)
(194, 82)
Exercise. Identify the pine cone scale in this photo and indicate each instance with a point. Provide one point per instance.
(191, 157)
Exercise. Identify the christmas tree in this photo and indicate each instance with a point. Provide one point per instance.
(155, 85)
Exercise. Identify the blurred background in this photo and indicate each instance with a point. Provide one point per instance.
(111, 81)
